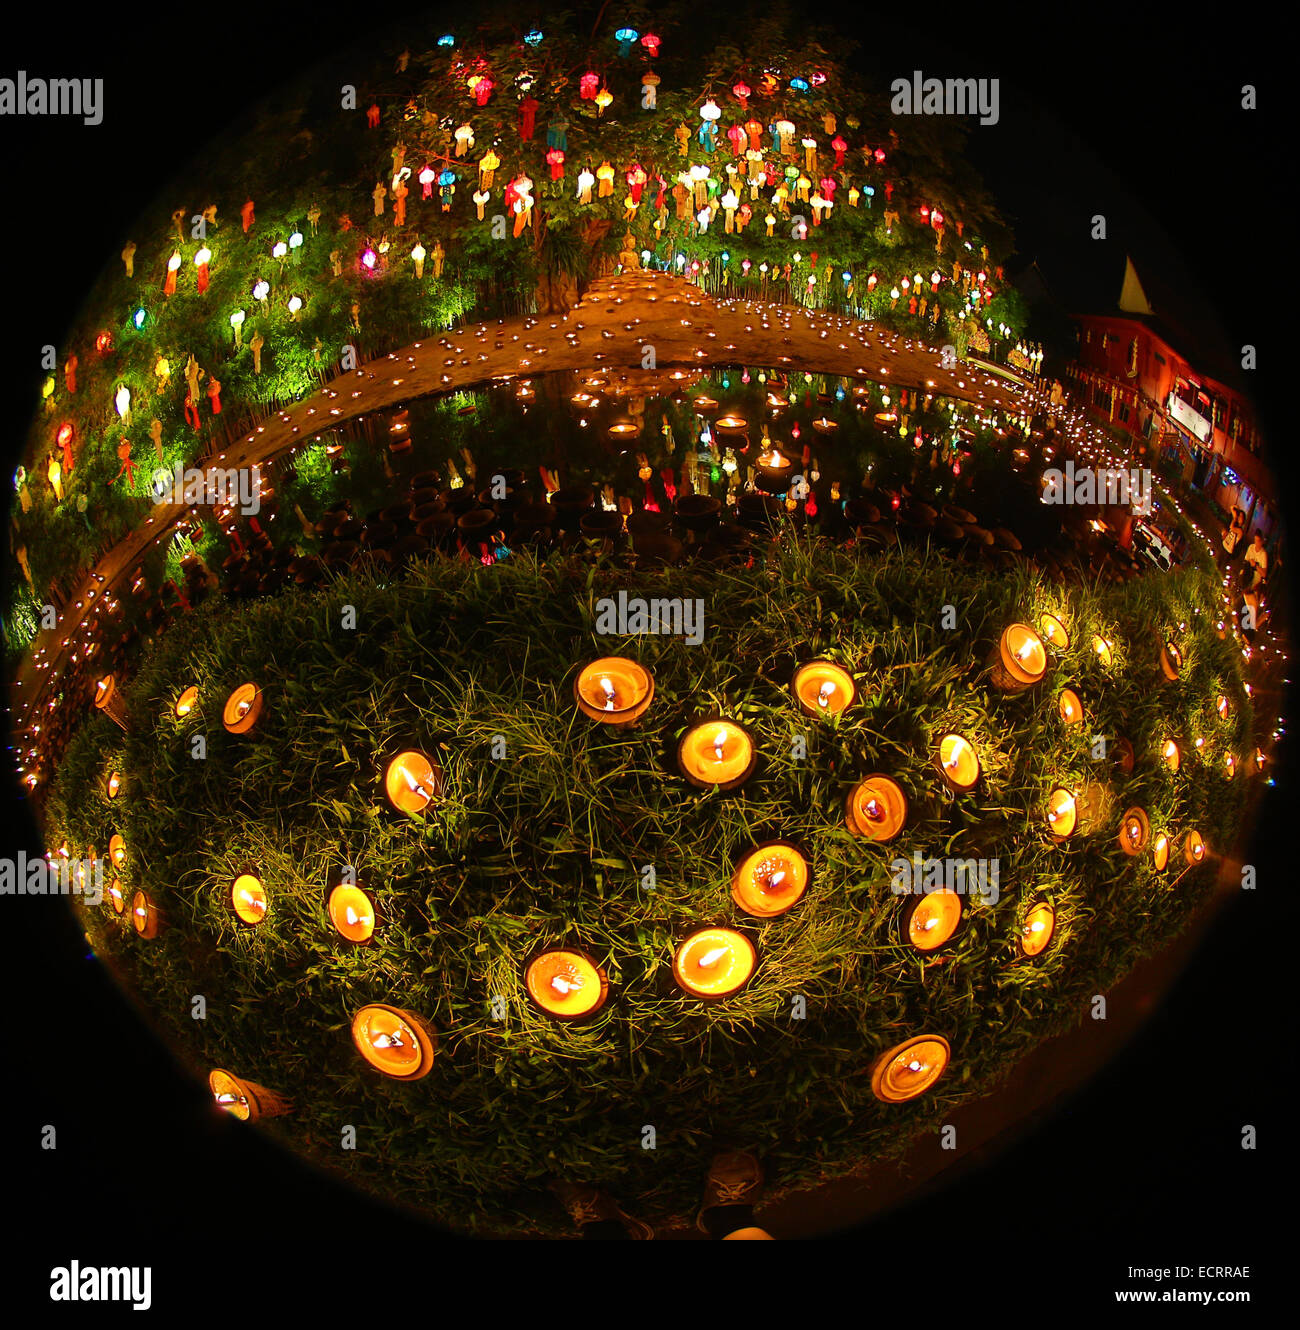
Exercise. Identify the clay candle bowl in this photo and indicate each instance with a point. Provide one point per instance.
(565, 984)
(352, 912)
(1069, 707)
(1036, 932)
(146, 918)
(876, 808)
(730, 425)
(623, 430)
(698, 512)
(108, 699)
(1020, 660)
(614, 691)
(245, 1100)
(909, 1069)
(1062, 813)
(772, 470)
(822, 688)
(412, 782)
(716, 752)
(1171, 755)
(1054, 631)
(1160, 852)
(931, 920)
(186, 701)
(1230, 766)
(770, 879)
(116, 897)
(248, 899)
(1171, 661)
(117, 850)
(242, 709)
(1105, 654)
(1223, 707)
(714, 963)
(395, 1042)
(113, 787)
(1194, 848)
(823, 425)
(1134, 831)
(958, 762)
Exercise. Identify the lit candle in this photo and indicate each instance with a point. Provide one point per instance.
(714, 963)
(933, 919)
(1222, 707)
(614, 691)
(1062, 813)
(185, 702)
(245, 1100)
(623, 429)
(959, 763)
(1103, 650)
(566, 984)
(909, 1069)
(1230, 766)
(770, 879)
(412, 782)
(117, 850)
(242, 709)
(876, 808)
(248, 899)
(146, 918)
(396, 1042)
(1021, 659)
(1171, 660)
(1194, 848)
(717, 752)
(823, 425)
(1171, 755)
(823, 688)
(352, 912)
(1160, 852)
(1070, 707)
(114, 786)
(731, 424)
(115, 896)
(1134, 831)
(1054, 631)
(1036, 932)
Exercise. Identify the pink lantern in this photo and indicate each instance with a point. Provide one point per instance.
(651, 44)
(588, 86)
(426, 179)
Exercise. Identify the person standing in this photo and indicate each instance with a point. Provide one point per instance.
(1257, 558)
(1232, 536)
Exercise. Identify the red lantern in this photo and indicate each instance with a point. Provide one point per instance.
(64, 437)
(481, 86)
(879, 154)
(840, 147)
(588, 86)
(104, 343)
(555, 160)
(651, 44)
(742, 93)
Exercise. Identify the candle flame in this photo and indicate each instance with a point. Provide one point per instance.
(610, 695)
(719, 743)
(914, 1065)
(1025, 651)
(393, 1040)
(351, 915)
(226, 1097)
(825, 693)
(711, 958)
(1037, 926)
(874, 811)
(563, 985)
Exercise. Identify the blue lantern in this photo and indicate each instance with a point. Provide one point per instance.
(447, 40)
(533, 38)
(138, 318)
(625, 37)
(799, 85)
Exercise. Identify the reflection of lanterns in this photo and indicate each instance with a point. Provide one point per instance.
(1036, 932)
(623, 429)
(876, 808)
(1104, 651)
(716, 752)
(932, 919)
(1160, 851)
(909, 1069)
(185, 702)
(248, 899)
(1194, 848)
(242, 709)
(1171, 755)
(1054, 631)
(770, 879)
(1171, 660)
(1070, 707)
(246, 1100)
(1062, 813)
(714, 963)
(412, 782)
(823, 688)
(566, 984)
(116, 898)
(1134, 831)
(146, 918)
(1020, 660)
(352, 912)
(958, 762)
(396, 1042)
(614, 691)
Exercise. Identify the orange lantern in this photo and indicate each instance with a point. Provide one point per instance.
(246, 1100)
(395, 1042)
(242, 709)
(958, 762)
(931, 920)
(714, 963)
(909, 1069)
(248, 899)
(717, 752)
(412, 781)
(823, 688)
(1036, 932)
(351, 910)
(565, 984)
(876, 808)
(614, 691)
(770, 879)
(1020, 660)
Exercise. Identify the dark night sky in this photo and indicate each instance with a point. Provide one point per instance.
(1097, 114)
